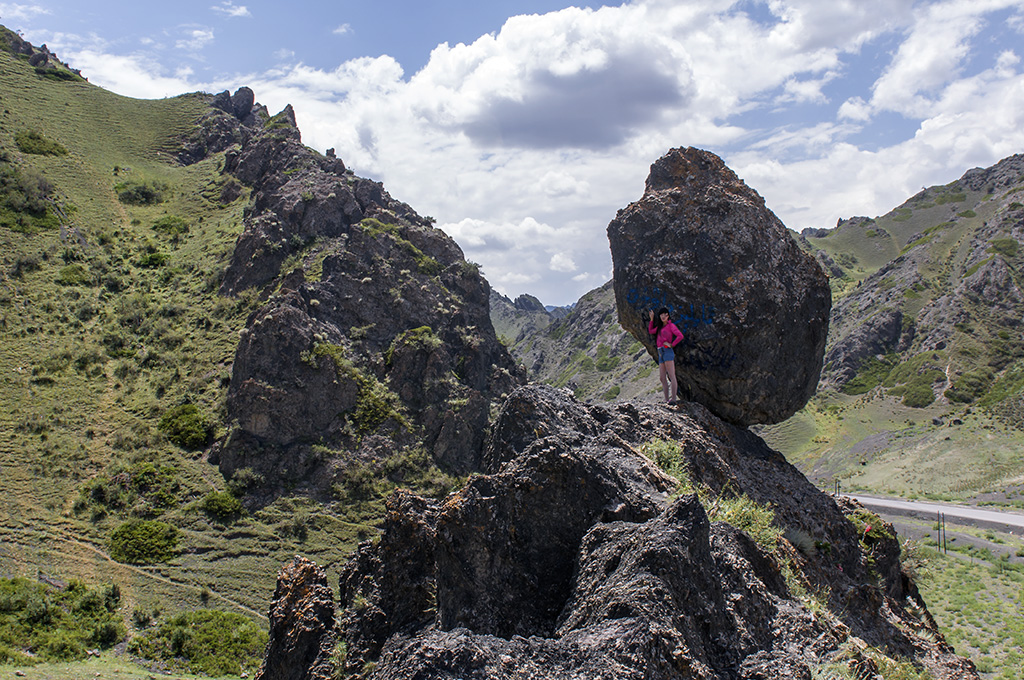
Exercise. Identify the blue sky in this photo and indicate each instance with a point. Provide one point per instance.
(523, 126)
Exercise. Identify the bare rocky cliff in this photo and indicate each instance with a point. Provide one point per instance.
(373, 336)
(577, 556)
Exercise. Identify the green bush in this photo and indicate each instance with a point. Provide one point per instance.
(153, 260)
(33, 142)
(1007, 247)
(375, 403)
(26, 204)
(42, 623)
(747, 515)
(918, 396)
(957, 197)
(971, 385)
(143, 541)
(244, 479)
(186, 426)
(221, 506)
(134, 192)
(204, 642)
(421, 338)
(668, 455)
(171, 225)
(871, 373)
(74, 275)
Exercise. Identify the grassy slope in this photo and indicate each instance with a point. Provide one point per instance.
(71, 409)
(873, 442)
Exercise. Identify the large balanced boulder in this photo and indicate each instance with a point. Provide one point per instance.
(754, 308)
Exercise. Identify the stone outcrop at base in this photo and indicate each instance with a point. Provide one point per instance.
(577, 556)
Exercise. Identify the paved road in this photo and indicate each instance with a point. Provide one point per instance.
(997, 519)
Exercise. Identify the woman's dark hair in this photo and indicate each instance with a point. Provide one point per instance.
(657, 317)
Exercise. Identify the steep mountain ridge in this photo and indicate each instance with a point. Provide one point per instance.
(585, 350)
(575, 555)
(177, 276)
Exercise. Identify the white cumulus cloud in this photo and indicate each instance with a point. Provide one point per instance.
(195, 39)
(525, 142)
(230, 9)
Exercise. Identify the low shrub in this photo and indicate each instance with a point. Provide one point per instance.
(612, 393)
(33, 142)
(153, 260)
(42, 623)
(747, 515)
(918, 396)
(26, 204)
(171, 225)
(186, 426)
(244, 479)
(221, 506)
(1007, 247)
(143, 541)
(134, 192)
(74, 275)
(205, 642)
(668, 455)
(870, 374)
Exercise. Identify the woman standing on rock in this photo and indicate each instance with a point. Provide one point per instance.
(668, 336)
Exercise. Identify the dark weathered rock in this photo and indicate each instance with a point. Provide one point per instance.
(572, 561)
(302, 631)
(375, 340)
(242, 102)
(753, 307)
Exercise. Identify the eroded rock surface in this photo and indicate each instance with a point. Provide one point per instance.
(753, 307)
(302, 631)
(372, 338)
(578, 557)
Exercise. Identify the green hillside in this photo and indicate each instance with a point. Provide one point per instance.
(115, 357)
(922, 388)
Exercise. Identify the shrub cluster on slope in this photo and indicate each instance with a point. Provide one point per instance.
(43, 623)
(206, 642)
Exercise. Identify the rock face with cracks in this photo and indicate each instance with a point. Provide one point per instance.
(578, 557)
(753, 307)
(372, 339)
(302, 625)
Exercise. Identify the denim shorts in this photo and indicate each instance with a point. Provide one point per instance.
(666, 354)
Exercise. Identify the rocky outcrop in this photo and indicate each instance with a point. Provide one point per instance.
(40, 58)
(577, 556)
(515, 320)
(754, 307)
(302, 632)
(373, 340)
(230, 120)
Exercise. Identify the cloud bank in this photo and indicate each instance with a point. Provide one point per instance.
(525, 142)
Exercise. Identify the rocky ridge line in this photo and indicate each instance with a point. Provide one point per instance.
(373, 337)
(574, 557)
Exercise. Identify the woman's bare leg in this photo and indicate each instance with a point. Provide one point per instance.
(671, 371)
(663, 374)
